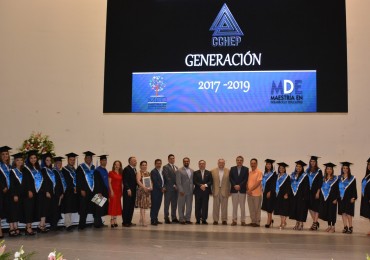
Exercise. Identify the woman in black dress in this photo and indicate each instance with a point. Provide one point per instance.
(329, 196)
(315, 178)
(298, 208)
(348, 196)
(15, 191)
(268, 189)
(282, 193)
(365, 192)
(4, 183)
(31, 185)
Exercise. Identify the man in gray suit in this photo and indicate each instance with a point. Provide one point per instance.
(170, 188)
(185, 187)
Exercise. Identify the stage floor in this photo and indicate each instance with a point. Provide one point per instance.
(177, 241)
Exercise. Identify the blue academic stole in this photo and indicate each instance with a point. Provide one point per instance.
(64, 183)
(343, 185)
(6, 172)
(326, 186)
(296, 182)
(265, 178)
(279, 182)
(37, 177)
(312, 176)
(89, 175)
(18, 174)
(51, 175)
(365, 181)
(104, 175)
(72, 173)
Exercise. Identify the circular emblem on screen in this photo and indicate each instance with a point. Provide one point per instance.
(157, 84)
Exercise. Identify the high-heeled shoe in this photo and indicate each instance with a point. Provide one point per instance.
(345, 229)
(29, 233)
(12, 233)
(42, 229)
(328, 229)
(271, 224)
(314, 226)
(282, 226)
(350, 230)
(115, 225)
(296, 226)
(111, 223)
(300, 227)
(332, 230)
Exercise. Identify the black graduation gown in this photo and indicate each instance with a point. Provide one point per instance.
(4, 197)
(298, 203)
(86, 206)
(365, 201)
(327, 209)
(281, 204)
(55, 191)
(268, 204)
(70, 202)
(29, 204)
(345, 206)
(15, 208)
(99, 187)
(316, 186)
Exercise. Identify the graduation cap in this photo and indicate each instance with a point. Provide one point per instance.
(300, 162)
(58, 158)
(329, 164)
(313, 157)
(103, 157)
(346, 163)
(5, 149)
(283, 164)
(17, 155)
(32, 152)
(88, 153)
(269, 161)
(46, 155)
(71, 155)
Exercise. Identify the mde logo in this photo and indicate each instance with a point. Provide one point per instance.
(286, 92)
(226, 31)
(157, 102)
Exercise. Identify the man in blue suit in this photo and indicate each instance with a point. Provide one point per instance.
(238, 179)
(157, 192)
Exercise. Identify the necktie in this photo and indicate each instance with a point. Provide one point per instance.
(173, 168)
(202, 175)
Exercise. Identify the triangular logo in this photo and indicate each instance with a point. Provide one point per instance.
(225, 24)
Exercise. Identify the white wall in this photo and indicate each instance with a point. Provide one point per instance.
(51, 79)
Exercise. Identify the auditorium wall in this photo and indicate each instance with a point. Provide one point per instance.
(51, 79)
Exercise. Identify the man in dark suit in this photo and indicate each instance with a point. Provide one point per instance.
(202, 180)
(238, 179)
(129, 192)
(157, 192)
(171, 193)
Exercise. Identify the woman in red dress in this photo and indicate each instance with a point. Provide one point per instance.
(115, 193)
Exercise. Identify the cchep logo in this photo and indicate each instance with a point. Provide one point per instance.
(286, 92)
(157, 102)
(226, 31)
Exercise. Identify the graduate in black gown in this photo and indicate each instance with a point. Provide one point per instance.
(85, 188)
(282, 194)
(15, 191)
(298, 203)
(329, 196)
(70, 203)
(53, 191)
(268, 189)
(57, 169)
(31, 185)
(365, 194)
(4, 183)
(348, 196)
(315, 178)
(101, 188)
